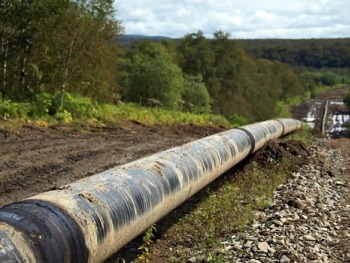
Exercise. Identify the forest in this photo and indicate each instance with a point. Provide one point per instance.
(62, 59)
(310, 53)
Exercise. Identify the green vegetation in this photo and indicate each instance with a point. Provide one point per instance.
(304, 53)
(150, 76)
(319, 81)
(58, 46)
(303, 135)
(237, 84)
(85, 112)
(146, 245)
(60, 62)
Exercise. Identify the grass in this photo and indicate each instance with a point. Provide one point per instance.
(322, 89)
(303, 135)
(109, 114)
(104, 115)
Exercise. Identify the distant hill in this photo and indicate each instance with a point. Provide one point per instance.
(129, 39)
(311, 53)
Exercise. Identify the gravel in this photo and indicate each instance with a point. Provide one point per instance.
(307, 220)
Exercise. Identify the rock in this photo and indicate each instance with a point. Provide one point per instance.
(309, 238)
(263, 246)
(312, 255)
(248, 244)
(306, 216)
(284, 259)
(339, 183)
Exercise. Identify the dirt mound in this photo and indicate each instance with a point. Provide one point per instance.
(276, 150)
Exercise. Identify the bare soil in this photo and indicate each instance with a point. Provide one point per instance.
(36, 159)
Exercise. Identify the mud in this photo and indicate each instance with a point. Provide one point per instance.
(36, 159)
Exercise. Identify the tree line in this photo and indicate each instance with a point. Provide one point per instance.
(310, 53)
(49, 49)
(202, 75)
(58, 46)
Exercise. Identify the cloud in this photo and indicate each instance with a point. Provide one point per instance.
(240, 18)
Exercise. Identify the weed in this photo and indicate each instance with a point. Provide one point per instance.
(215, 258)
(147, 242)
(80, 110)
(303, 135)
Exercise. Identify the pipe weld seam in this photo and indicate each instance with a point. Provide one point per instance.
(283, 129)
(251, 137)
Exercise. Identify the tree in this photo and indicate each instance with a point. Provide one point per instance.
(15, 31)
(70, 43)
(195, 95)
(267, 90)
(229, 75)
(195, 55)
(288, 80)
(152, 76)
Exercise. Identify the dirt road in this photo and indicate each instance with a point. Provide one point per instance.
(37, 159)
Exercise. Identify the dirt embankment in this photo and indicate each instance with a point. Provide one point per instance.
(37, 159)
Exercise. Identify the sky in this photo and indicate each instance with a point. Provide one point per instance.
(242, 19)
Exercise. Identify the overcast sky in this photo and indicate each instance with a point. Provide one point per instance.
(241, 18)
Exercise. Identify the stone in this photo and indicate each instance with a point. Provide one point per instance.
(339, 183)
(284, 259)
(306, 215)
(248, 244)
(263, 246)
(309, 238)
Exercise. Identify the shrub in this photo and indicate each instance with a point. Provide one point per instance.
(195, 96)
(10, 109)
(41, 105)
(75, 104)
(64, 116)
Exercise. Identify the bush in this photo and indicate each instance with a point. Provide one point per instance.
(64, 116)
(76, 105)
(10, 109)
(237, 120)
(41, 105)
(195, 96)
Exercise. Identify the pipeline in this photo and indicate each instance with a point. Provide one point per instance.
(324, 117)
(91, 219)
